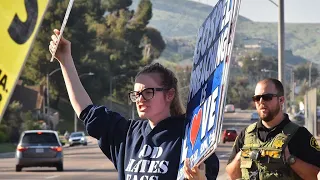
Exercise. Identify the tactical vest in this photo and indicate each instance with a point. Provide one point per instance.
(265, 160)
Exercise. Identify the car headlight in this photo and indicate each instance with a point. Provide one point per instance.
(82, 139)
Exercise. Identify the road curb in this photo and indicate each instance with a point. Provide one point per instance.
(7, 155)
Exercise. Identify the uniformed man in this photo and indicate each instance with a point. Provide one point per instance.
(274, 147)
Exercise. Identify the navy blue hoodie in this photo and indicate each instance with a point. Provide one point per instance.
(136, 150)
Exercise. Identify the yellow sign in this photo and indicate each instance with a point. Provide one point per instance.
(20, 20)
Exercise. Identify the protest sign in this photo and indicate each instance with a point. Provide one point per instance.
(19, 25)
(209, 83)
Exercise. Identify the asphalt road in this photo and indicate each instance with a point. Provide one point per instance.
(237, 121)
(88, 162)
(80, 162)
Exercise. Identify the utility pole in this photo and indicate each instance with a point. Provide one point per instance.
(310, 67)
(48, 103)
(110, 90)
(293, 86)
(75, 117)
(281, 46)
(48, 95)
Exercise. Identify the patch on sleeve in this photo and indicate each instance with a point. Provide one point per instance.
(314, 143)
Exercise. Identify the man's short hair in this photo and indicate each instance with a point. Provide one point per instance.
(277, 84)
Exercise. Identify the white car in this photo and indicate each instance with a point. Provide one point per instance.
(229, 108)
(77, 138)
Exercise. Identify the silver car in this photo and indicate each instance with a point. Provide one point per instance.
(39, 148)
(77, 138)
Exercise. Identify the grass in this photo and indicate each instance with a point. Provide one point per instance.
(63, 140)
(7, 147)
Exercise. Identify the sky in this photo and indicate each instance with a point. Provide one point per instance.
(296, 11)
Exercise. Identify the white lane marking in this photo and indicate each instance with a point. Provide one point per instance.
(224, 155)
(52, 177)
(90, 169)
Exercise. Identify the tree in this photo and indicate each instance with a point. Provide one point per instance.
(183, 74)
(37, 64)
(253, 64)
(29, 122)
(12, 121)
(107, 39)
(302, 72)
(124, 43)
(238, 93)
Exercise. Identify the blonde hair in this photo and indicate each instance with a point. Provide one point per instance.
(168, 81)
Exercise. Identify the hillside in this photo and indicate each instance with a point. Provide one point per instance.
(181, 19)
(302, 39)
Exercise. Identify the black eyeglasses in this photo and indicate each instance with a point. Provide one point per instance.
(265, 97)
(147, 94)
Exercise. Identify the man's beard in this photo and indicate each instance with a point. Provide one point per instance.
(271, 114)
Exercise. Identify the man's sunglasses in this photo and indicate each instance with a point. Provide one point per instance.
(147, 94)
(265, 97)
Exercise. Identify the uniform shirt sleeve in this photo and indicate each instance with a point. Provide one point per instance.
(106, 126)
(304, 146)
(212, 167)
(237, 145)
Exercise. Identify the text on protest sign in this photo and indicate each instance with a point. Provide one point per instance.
(208, 84)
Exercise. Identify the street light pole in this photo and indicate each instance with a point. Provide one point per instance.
(111, 88)
(110, 91)
(281, 45)
(293, 85)
(281, 42)
(310, 67)
(48, 93)
(75, 117)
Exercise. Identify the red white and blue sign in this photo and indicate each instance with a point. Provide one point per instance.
(208, 84)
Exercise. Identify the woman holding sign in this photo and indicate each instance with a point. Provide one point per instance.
(139, 149)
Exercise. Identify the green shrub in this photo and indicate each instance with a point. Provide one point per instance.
(3, 137)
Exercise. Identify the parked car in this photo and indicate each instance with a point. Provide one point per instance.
(229, 108)
(255, 116)
(299, 116)
(77, 138)
(229, 135)
(39, 148)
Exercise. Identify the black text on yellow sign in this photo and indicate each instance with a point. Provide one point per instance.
(20, 20)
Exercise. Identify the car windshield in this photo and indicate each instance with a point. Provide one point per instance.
(231, 131)
(39, 138)
(76, 135)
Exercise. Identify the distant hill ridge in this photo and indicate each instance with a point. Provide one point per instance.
(182, 18)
